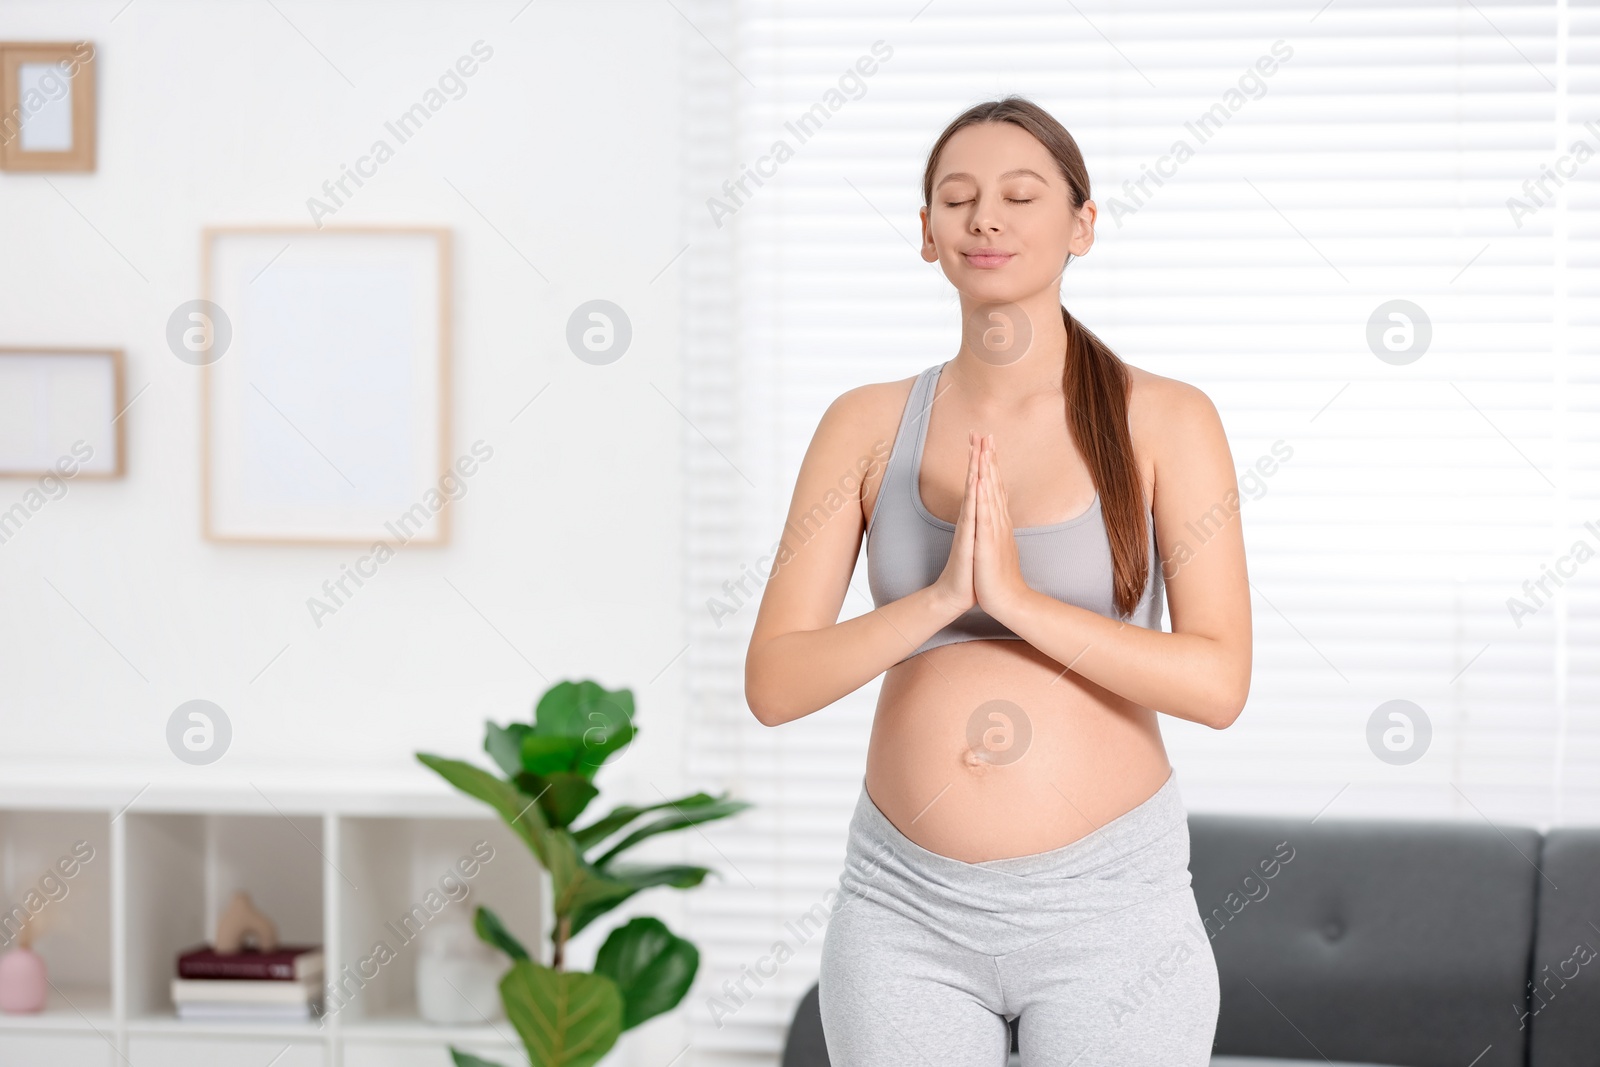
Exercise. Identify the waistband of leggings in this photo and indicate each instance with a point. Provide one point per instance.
(1135, 828)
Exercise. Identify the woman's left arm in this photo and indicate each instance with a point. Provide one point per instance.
(1201, 670)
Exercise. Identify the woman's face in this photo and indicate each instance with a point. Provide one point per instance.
(1000, 223)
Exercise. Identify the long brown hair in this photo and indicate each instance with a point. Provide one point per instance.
(1094, 381)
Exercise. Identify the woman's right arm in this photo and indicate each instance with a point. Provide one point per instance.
(801, 658)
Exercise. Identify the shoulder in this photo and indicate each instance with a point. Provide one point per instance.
(1174, 424)
(853, 442)
(1164, 412)
(874, 398)
(867, 415)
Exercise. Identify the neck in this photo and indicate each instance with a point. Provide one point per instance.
(1011, 352)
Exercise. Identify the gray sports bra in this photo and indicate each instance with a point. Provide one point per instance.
(907, 546)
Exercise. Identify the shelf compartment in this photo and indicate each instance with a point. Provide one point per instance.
(427, 1052)
(410, 875)
(183, 868)
(147, 1050)
(69, 1008)
(56, 1050)
(56, 866)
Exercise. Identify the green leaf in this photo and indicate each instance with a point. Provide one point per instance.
(578, 888)
(623, 814)
(575, 885)
(643, 876)
(493, 931)
(567, 708)
(600, 744)
(565, 1018)
(519, 813)
(504, 745)
(467, 1059)
(582, 892)
(562, 797)
(683, 814)
(601, 719)
(592, 898)
(651, 966)
(621, 881)
(540, 754)
(565, 867)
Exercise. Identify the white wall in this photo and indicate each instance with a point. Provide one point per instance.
(568, 540)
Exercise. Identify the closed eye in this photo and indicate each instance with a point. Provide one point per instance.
(1009, 200)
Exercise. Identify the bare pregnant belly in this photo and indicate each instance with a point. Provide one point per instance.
(985, 750)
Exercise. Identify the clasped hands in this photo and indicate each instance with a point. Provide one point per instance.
(983, 568)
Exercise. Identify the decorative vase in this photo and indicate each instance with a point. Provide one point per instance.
(458, 976)
(23, 985)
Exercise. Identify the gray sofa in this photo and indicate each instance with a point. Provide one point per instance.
(1361, 942)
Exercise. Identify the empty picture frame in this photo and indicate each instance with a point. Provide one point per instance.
(47, 105)
(325, 399)
(59, 412)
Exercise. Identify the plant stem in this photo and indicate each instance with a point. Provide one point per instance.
(563, 928)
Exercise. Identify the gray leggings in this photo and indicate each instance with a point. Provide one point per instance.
(1097, 946)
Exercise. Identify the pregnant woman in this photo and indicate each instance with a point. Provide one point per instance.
(1019, 849)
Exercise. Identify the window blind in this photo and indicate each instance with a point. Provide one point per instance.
(1397, 151)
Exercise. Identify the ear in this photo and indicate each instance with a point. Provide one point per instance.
(930, 254)
(1083, 229)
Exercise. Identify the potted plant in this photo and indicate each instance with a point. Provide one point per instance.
(572, 1018)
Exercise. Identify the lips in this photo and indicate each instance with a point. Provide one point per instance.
(988, 257)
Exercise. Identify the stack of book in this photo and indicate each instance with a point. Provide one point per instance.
(284, 985)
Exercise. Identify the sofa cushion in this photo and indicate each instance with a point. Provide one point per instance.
(1564, 1010)
(1269, 1061)
(805, 1045)
(1368, 941)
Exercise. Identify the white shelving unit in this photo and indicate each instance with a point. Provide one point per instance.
(345, 861)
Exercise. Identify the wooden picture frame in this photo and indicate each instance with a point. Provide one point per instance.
(47, 106)
(54, 400)
(325, 420)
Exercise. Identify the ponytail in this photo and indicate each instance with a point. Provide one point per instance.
(1096, 385)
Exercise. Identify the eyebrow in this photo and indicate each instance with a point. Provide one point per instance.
(964, 176)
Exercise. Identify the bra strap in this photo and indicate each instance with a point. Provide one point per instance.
(903, 451)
